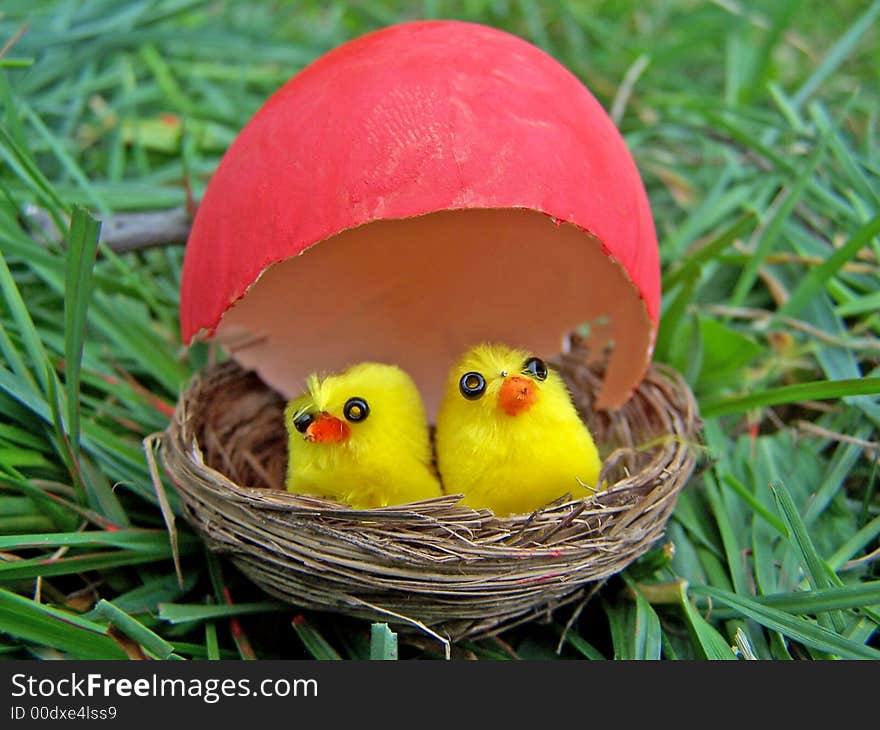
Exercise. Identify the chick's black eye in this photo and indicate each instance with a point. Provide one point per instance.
(472, 385)
(303, 421)
(535, 367)
(355, 410)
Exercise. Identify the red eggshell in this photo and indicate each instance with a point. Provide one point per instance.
(411, 120)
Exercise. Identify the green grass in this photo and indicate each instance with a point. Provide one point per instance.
(756, 132)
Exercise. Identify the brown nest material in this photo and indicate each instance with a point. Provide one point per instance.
(436, 564)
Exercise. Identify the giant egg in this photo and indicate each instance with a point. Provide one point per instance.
(413, 192)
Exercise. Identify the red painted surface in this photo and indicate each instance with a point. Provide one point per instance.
(412, 119)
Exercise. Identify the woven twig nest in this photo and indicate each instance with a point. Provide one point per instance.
(434, 564)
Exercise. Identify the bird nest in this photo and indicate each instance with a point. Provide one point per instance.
(436, 564)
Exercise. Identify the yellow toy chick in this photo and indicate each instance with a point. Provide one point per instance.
(360, 437)
(508, 435)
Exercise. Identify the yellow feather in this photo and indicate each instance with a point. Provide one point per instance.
(386, 458)
(512, 464)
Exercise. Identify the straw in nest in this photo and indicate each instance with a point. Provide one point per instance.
(437, 565)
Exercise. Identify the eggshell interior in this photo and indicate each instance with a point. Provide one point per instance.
(418, 292)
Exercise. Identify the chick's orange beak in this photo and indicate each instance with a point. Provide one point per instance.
(517, 395)
(327, 429)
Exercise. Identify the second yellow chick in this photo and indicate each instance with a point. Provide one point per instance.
(360, 437)
(508, 436)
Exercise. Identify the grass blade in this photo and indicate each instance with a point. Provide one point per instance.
(133, 539)
(583, 646)
(675, 313)
(100, 493)
(82, 248)
(177, 613)
(759, 509)
(383, 642)
(32, 622)
(212, 646)
(837, 54)
(816, 390)
(134, 630)
(315, 644)
(66, 161)
(859, 305)
(147, 597)
(818, 571)
(20, 161)
(648, 637)
(809, 603)
(774, 228)
(817, 277)
(45, 567)
(855, 543)
(708, 252)
(711, 643)
(797, 629)
(27, 331)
